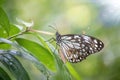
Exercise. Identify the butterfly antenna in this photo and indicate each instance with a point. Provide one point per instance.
(53, 27)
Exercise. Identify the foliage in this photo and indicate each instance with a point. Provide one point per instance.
(14, 51)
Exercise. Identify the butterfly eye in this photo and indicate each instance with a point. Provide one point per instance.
(76, 48)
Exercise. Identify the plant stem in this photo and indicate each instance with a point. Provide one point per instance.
(43, 32)
(16, 35)
(30, 30)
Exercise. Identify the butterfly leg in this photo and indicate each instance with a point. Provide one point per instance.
(50, 40)
(55, 48)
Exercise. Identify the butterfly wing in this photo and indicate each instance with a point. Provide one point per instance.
(76, 48)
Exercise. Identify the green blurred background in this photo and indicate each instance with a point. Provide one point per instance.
(98, 18)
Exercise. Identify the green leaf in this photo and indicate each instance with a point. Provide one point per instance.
(1, 2)
(44, 44)
(13, 65)
(25, 54)
(3, 33)
(41, 53)
(4, 21)
(4, 46)
(73, 72)
(62, 71)
(13, 30)
(4, 75)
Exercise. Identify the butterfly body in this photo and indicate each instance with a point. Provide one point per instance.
(76, 48)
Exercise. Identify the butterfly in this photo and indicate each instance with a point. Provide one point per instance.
(75, 48)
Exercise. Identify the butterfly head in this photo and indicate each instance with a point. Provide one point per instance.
(58, 37)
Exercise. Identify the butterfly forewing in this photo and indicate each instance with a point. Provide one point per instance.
(76, 48)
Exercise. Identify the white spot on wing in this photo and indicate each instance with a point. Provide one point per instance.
(79, 40)
(73, 40)
(68, 38)
(90, 51)
(83, 50)
(83, 45)
(76, 44)
(77, 47)
(77, 60)
(95, 48)
(76, 36)
(95, 41)
(80, 58)
(70, 60)
(100, 42)
(99, 49)
(86, 47)
(64, 37)
(86, 38)
(75, 56)
(70, 57)
(90, 48)
(96, 45)
(100, 46)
